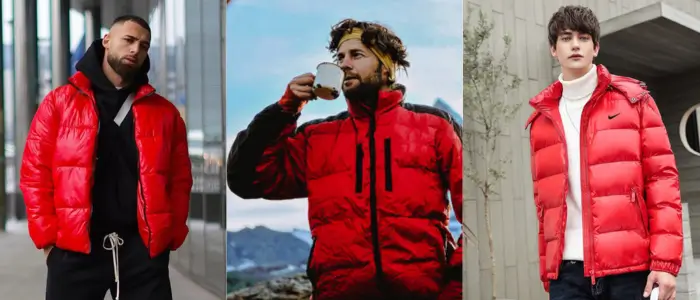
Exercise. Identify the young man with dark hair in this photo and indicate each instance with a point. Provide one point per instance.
(605, 179)
(106, 175)
(376, 176)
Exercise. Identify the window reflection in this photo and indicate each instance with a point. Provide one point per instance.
(43, 12)
(184, 78)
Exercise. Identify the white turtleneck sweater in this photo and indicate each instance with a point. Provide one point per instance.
(575, 95)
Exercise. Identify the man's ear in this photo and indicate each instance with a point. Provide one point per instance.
(105, 41)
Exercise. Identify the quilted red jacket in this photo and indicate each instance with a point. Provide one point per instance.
(377, 186)
(57, 168)
(630, 189)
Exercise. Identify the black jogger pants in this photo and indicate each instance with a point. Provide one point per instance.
(78, 276)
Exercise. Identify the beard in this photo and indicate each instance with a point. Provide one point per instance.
(125, 71)
(366, 91)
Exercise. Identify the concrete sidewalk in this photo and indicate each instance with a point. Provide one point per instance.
(23, 273)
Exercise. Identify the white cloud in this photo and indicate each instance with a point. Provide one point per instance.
(278, 215)
(267, 51)
(435, 72)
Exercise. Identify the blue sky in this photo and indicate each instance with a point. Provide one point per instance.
(268, 42)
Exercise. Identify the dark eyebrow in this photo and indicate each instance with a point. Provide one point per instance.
(135, 38)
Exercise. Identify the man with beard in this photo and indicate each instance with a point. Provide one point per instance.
(376, 176)
(106, 175)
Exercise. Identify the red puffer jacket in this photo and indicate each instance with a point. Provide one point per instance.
(57, 168)
(377, 188)
(629, 181)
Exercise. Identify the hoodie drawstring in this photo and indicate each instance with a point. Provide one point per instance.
(114, 243)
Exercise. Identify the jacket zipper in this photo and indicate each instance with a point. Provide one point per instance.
(359, 157)
(586, 197)
(138, 178)
(373, 201)
(387, 165)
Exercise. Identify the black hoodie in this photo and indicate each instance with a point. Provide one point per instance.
(116, 170)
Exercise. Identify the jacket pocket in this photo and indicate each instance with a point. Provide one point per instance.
(311, 271)
(641, 207)
(448, 250)
(387, 165)
(359, 156)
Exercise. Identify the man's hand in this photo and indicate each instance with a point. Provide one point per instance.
(47, 250)
(666, 283)
(298, 93)
(301, 87)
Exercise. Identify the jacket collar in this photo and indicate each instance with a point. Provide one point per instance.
(386, 101)
(82, 83)
(548, 98)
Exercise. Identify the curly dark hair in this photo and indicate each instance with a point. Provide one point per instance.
(576, 18)
(374, 35)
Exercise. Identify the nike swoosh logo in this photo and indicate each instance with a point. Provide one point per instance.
(613, 116)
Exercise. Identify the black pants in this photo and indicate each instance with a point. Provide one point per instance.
(78, 276)
(573, 285)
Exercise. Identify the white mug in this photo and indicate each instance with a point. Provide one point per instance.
(329, 81)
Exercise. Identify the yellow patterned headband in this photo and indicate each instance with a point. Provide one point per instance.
(386, 60)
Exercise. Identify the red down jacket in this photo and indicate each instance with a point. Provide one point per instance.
(630, 190)
(57, 168)
(377, 189)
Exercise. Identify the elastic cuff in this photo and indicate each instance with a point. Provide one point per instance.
(290, 103)
(665, 266)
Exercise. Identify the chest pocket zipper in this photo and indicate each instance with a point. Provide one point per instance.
(388, 184)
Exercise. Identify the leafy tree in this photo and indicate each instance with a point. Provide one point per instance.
(486, 90)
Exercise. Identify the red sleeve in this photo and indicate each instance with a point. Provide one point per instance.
(662, 192)
(449, 144)
(36, 179)
(180, 185)
(267, 159)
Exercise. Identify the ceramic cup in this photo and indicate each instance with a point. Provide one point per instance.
(329, 81)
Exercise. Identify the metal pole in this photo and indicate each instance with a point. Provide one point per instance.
(3, 195)
(60, 40)
(26, 79)
(93, 25)
(222, 168)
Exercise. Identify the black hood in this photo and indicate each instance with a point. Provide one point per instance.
(91, 65)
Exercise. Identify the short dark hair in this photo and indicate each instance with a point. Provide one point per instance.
(132, 18)
(374, 35)
(574, 17)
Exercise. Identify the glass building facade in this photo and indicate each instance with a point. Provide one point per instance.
(186, 67)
